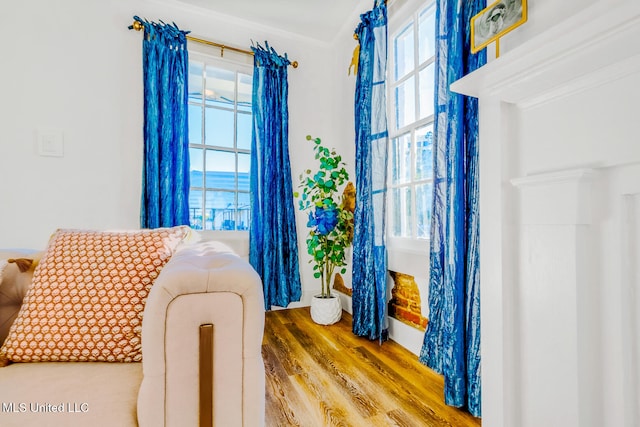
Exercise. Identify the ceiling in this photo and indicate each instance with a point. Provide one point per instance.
(318, 19)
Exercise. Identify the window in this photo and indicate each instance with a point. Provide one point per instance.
(411, 99)
(220, 124)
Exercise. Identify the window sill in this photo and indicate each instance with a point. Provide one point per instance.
(409, 246)
(409, 256)
(236, 240)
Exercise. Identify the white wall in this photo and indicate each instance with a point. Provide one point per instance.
(542, 15)
(560, 184)
(72, 69)
(344, 86)
(75, 67)
(571, 291)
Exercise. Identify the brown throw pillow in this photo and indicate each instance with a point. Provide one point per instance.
(87, 296)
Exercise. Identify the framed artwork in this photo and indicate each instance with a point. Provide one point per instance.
(496, 20)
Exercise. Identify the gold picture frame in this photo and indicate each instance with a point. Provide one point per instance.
(495, 21)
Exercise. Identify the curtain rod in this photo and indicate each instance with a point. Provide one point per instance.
(137, 25)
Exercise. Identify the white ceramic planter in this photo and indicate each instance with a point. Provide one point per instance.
(326, 311)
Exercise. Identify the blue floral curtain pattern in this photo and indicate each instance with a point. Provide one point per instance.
(165, 182)
(452, 340)
(273, 241)
(369, 251)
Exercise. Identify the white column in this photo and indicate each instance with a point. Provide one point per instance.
(554, 264)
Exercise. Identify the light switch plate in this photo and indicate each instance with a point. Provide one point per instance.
(51, 143)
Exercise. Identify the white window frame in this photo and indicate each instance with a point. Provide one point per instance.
(400, 18)
(236, 67)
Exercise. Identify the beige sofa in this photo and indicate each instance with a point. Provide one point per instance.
(178, 382)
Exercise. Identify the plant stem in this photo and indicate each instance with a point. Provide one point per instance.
(327, 269)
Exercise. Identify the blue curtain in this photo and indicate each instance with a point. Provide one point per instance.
(369, 251)
(273, 241)
(452, 340)
(165, 181)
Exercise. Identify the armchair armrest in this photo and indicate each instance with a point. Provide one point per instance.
(204, 283)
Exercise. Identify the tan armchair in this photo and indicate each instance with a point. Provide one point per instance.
(201, 345)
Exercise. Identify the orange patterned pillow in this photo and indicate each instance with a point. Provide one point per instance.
(87, 296)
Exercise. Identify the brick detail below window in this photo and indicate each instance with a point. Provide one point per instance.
(405, 301)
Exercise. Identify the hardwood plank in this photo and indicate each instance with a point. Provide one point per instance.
(326, 359)
(421, 398)
(325, 402)
(281, 341)
(326, 376)
(281, 397)
(349, 360)
(322, 399)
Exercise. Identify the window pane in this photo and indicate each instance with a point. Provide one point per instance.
(244, 162)
(396, 212)
(401, 211)
(243, 212)
(196, 166)
(427, 34)
(220, 210)
(218, 127)
(411, 141)
(220, 87)
(405, 103)
(400, 159)
(244, 131)
(245, 85)
(426, 91)
(424, 152)
(220, 118)
(195, 124)
(405, 209)
(221, 170)
(424, 196)
(195, 81)
(195, 209)
(403, 52)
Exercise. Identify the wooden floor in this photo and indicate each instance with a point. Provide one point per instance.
(326, 376)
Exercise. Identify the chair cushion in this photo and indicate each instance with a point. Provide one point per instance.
(81, 394)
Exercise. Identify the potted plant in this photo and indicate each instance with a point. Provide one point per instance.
(330, 226)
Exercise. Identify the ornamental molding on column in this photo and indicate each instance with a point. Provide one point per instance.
(556, 198)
